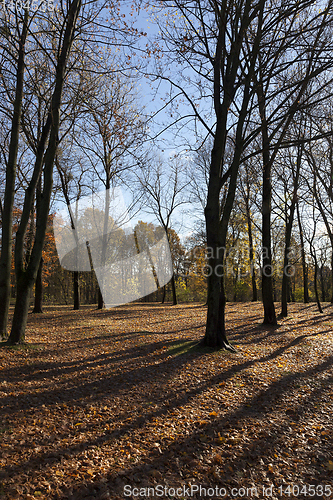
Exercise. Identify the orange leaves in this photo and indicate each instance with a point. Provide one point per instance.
(329, 465)
(106, 409)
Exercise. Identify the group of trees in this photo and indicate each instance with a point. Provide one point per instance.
(56, 82)
(248, 89)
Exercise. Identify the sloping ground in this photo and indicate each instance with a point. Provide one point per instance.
(106, 404)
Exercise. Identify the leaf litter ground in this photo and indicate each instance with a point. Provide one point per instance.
(102, 399)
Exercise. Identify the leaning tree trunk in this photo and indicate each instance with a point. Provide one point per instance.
(7, 212)
(39, 279)
(328, 228)
(304, 265)
(38, 308)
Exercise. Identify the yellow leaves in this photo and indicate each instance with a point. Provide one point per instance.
(329, 465)
(202, 423)
(217, 459)
(213, 414)
(234, 440)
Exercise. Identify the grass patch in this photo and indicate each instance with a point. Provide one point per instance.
(179, 347)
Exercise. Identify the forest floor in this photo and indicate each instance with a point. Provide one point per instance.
(106, 404)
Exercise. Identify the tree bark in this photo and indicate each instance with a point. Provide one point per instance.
(315, 282)
(322, 285)
(304, 265)
(217, 226)
(76, 289)
(326, 222)
(100, 301)
(289, 226)
(163, 294)
(215, 335)
(267, 268)
(38, 308)
(252, 263)
(173, 288)
(8, 205)
(26, 276)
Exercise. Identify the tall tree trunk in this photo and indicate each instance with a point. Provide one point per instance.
(26, 276)
(327, 225)
(105, 236)
(163, 294)
(76, 283)
(322, 285)
(100, 301)
(252, 263)
(38, 308)
(304, 265)
(76, 289)
(215, 335)
(173, 288)
(39, 278)
(332, 278)
(289, 226)
(8, 205)
(267, 268)
(288, 291)
(315, 282)
(313, 254)
(217, 226)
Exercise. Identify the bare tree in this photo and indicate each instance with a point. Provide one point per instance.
(27, 276)
(163, 189)
(15, 43)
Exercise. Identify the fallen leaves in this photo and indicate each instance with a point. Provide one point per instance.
(106, 398)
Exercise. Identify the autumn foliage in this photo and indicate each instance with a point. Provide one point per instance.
(103, 399)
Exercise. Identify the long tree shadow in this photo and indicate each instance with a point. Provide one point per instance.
(117, 383)
(255, 408)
